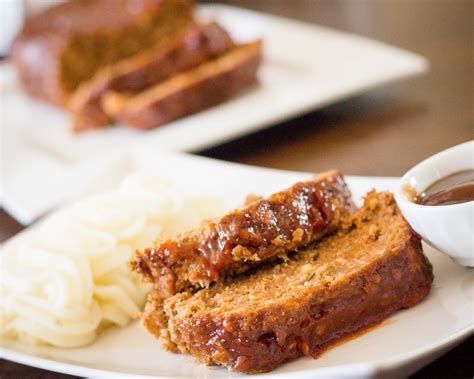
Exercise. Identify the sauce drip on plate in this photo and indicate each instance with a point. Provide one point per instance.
(452, 189)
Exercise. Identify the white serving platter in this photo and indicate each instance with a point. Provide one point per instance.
(305, 67)
(405, 342)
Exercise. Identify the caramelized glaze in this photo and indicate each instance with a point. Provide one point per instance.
(263, 230)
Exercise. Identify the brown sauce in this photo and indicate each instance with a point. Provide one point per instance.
(354, 335)
(452, 189)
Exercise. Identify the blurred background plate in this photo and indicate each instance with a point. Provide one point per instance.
(305, 67)
(402, 344)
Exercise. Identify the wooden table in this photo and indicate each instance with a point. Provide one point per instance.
(383, 132)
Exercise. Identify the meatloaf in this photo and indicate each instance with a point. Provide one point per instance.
(195, 45)
(204, 86)
(65, 45)
(373, 266)
(263, 230)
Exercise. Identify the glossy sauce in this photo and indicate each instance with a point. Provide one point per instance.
(452, 189)
(354, 335)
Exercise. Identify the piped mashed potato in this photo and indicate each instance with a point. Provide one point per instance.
(67, 278)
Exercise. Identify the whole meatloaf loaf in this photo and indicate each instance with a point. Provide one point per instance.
(353, 279)
(65, 45)
(195, 45)
(263, 230)
(209, 84)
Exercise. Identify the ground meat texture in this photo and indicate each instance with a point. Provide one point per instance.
(65, 45)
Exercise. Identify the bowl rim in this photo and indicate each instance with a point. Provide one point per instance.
(401, 197)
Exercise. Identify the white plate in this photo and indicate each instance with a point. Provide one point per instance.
(305, 67)
(401, 345)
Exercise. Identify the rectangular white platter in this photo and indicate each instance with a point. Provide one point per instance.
(305, 67)
(404, 343)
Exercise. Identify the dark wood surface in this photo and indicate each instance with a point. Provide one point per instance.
(382, 132)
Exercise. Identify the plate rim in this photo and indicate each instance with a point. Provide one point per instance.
(367, 368)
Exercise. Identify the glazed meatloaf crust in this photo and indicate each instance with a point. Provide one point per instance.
(202, 87)
(261, 231)
(65, 45)
(195, 45)
(349, 281)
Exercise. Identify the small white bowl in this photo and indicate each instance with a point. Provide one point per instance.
(449, 228)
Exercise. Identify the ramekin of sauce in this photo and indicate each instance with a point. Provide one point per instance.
(436, 197)
(452, 189)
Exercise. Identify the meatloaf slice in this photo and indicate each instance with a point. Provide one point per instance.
(261, 231)
(188, 92)
(353, 279)
(195, 45)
